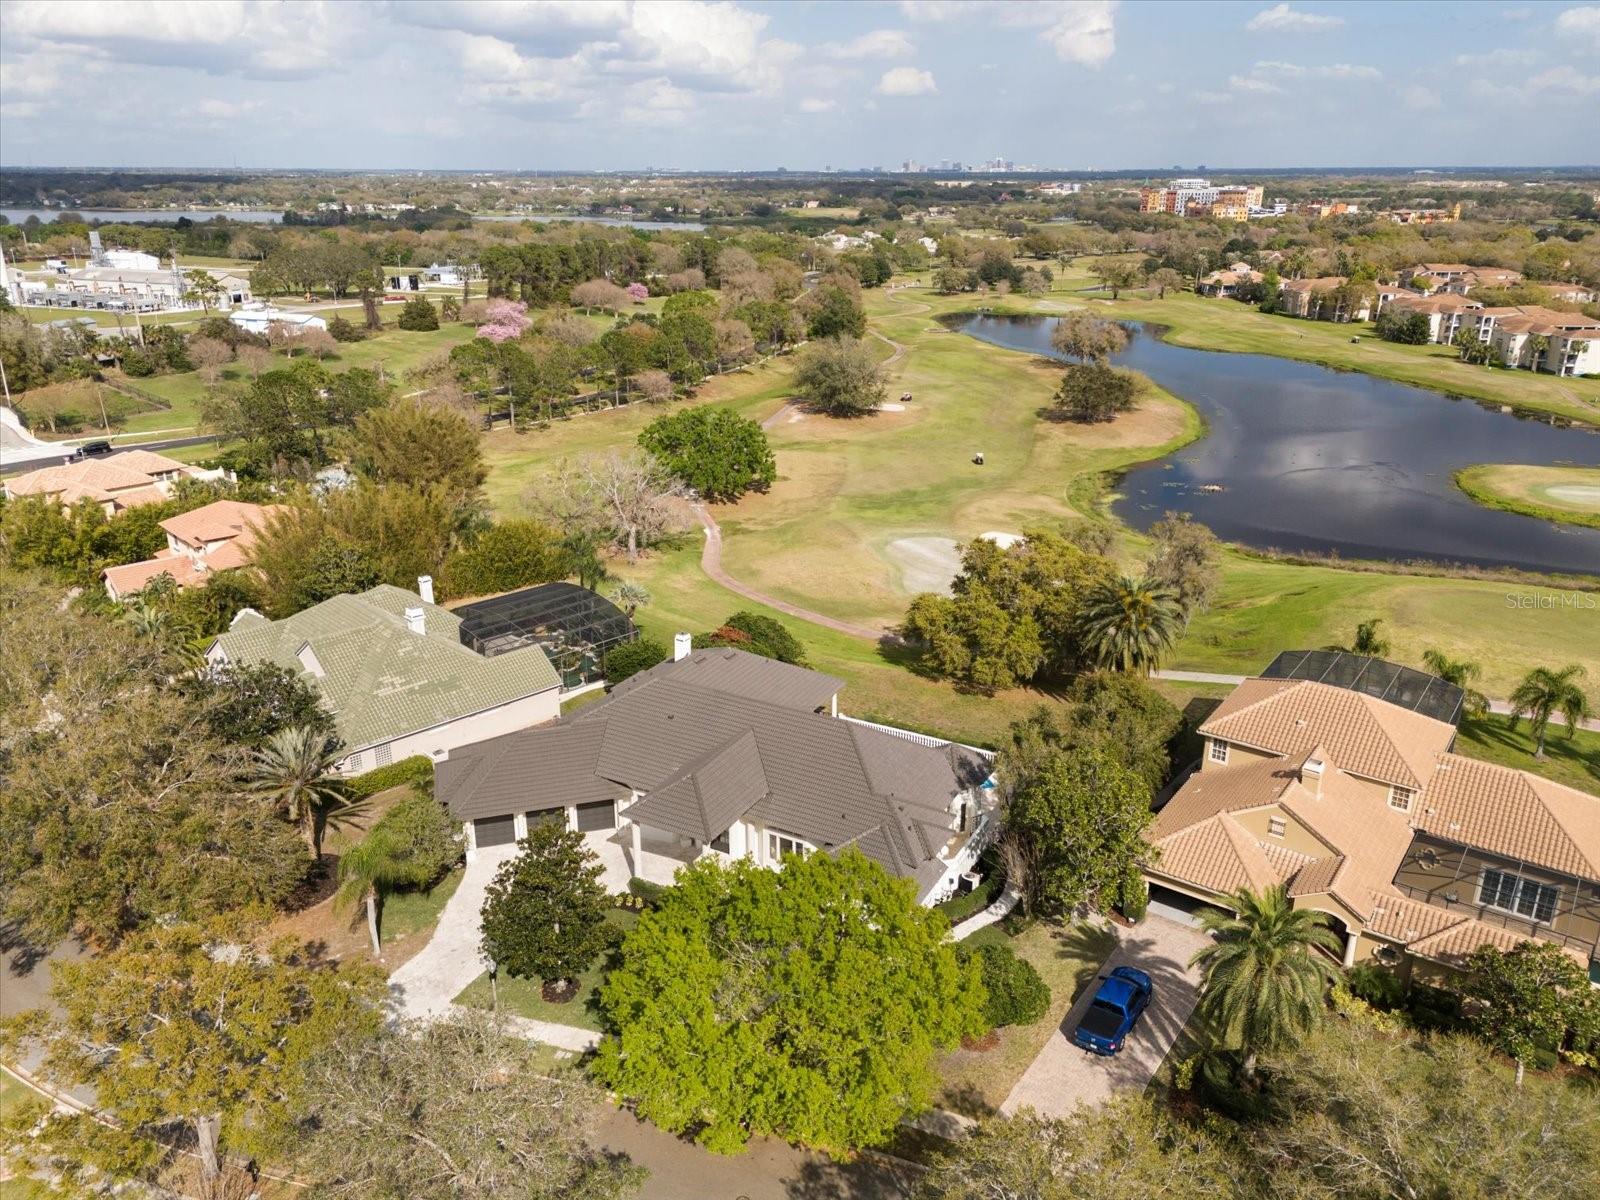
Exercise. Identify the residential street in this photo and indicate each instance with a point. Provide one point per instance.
(1062, 1077)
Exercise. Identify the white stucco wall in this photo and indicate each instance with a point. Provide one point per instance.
(463, 731)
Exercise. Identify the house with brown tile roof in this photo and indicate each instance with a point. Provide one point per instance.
(115, 483)
(1360, 807)
(214, 537)
(1317, 299)
(722, 753)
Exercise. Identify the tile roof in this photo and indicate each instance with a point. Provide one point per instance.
(1365, 735)
(739, 673)
(701, 757)
(381, 680)
(1440, 934)
(128, 477)
(220, 520)
(1512, 813)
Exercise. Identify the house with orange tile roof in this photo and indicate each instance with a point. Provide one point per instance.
(115, 483)
(215, 537)
(1353, 798)
(1320, 299)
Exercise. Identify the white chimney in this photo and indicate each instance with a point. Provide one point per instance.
(681, 645)
(425, 588)
(1311, 774)
(416, 620)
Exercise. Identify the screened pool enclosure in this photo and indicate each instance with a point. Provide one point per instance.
(573, 625)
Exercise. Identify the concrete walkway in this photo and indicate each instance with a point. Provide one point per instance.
(995, 912)
(424, 987)
(1063, 1077)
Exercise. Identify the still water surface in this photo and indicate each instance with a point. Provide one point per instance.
(1316, 460)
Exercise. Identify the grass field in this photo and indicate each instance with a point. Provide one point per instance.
(1565, 494)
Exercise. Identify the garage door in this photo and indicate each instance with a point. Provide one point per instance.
(597, 816)
(494, 831)
(550, 816)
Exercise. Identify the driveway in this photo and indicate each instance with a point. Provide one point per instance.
(424, 987)
(1063, 1076)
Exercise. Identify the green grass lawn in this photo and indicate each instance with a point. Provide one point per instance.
(521, 996)
(405, 913)
(1563, 494)
(976, 1082)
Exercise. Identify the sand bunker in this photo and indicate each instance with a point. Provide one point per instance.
(929, 564)
(1579, 495)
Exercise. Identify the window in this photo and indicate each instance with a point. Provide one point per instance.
(1401, 797)
(781, 845)
(382, 755)
(1277, 826)
(1219, 751)
(1524, 897)
(720, 842)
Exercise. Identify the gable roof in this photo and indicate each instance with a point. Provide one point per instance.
(740, 673)
(381, 680)
(1365, 735)
(220, 520)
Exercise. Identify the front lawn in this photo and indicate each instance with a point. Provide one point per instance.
(521, 996)
(976, 1082)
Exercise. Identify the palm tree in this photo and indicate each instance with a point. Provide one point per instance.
(296, 769)
(1128, 624)
(1544, 692)
(1264, 980)
(368, 872)
(1369, 641)
(630, 597)
(1461, 672)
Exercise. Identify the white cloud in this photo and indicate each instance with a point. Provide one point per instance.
(1502, 57)
(1421, 99)
(1249, 83)
(1080, 31)
(253, 38)
(906, 81)
(1565, 80)
(880, 43)
(1280, 18)
(225, 110)
(1328, 71)
(816, 104)
(1580, 23)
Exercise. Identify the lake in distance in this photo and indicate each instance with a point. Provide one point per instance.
(1313, 460)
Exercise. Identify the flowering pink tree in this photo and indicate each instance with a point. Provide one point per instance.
(639, 292)
(505, 321)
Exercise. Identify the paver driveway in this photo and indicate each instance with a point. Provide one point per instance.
(1063, 1076)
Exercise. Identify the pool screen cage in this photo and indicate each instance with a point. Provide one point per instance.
(1408, 688)
(573, 625)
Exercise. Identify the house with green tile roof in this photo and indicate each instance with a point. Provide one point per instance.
(392, 669)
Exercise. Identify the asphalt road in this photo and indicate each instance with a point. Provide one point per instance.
(16, 468)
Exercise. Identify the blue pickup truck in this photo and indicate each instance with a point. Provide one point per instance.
(1115, 1009)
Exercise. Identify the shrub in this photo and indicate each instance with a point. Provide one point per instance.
(418, 316)
(1378, 986)
(1432, 1009)
(759, 635)
(418, 769)
(512, 554)
(650, 893)
(632, 657)
(1016, 995)
(1135, 899)
(342, 330)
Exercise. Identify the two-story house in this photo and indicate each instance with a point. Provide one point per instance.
(215, 537)
(1336, 776)
(720, 752)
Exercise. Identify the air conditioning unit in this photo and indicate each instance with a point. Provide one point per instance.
(969, 881)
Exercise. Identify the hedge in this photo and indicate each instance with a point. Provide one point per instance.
(416, 769)
(1017, 995)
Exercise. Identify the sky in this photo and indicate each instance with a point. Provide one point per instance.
(737, 85)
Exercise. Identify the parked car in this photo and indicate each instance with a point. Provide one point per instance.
(1123, 996)
(92, 450)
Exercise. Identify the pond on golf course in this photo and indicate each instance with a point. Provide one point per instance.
(1315, 460)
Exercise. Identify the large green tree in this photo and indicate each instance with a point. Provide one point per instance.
(1127, 1150)
(1079, 817)
(808, 1003)
(1121, 714)
(198, 1025)
(458, 1109)
(840, 376)
(418, 444)
(1524, 998)
(1185, 559)
(1265, 975)
(507, 555)
(1087, 338)
(715, 451)
(1093, 392)
(544, 914)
